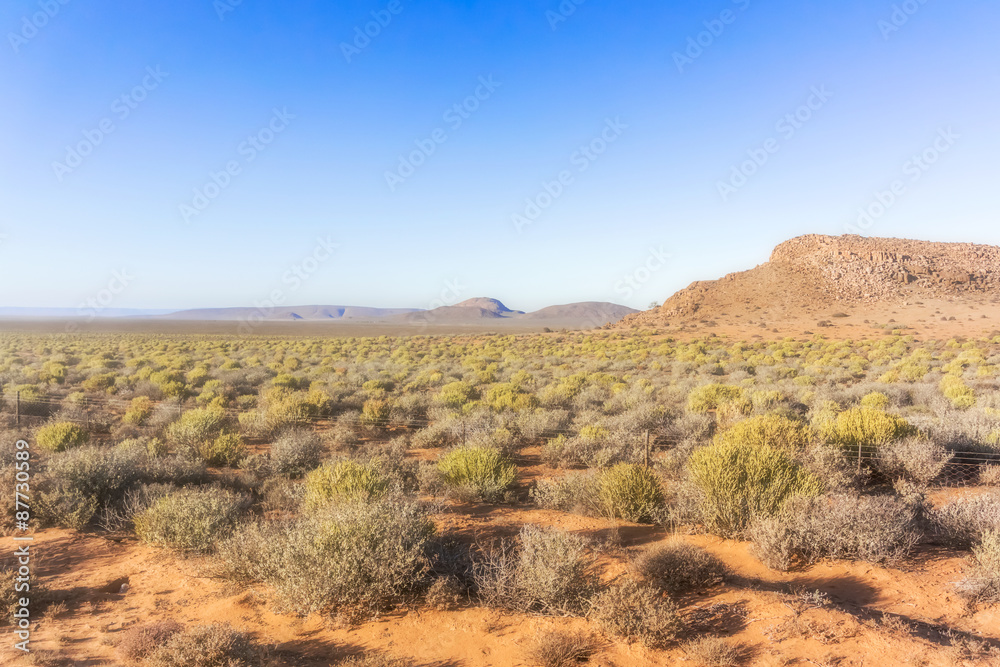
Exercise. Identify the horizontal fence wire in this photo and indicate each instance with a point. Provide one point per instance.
(961, 468)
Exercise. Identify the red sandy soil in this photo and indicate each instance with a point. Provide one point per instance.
(873, 615)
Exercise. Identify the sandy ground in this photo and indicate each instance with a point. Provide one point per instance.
(926, 320)
(873, 615)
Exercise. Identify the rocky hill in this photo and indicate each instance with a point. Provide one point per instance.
(822, 275)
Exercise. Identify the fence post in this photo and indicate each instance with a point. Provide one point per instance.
(859, 457)
(17, 408)
(647, 448)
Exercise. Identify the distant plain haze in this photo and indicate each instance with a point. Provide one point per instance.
(658, 144)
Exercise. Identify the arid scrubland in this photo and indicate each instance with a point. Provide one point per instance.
(348, 479)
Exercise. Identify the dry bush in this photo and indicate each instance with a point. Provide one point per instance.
(79, 483)
(296, 452)
(983, 581)
(558, 648)
(139, 641)
(832, 468)
(446, 592)
(207, 646)
(576, 492)
(989, 475)
(371, 660)
(962, 522)
(913, 460)
(194, 519)
(355, 556)
(714, 652)
(555, 571)
(875, 529)
(637, 613)
(677, 567)
(547, 570)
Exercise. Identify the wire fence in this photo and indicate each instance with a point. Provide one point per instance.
(97, 414)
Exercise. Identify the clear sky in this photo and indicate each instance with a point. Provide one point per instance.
(589, 141)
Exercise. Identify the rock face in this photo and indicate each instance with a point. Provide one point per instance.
(814, 272)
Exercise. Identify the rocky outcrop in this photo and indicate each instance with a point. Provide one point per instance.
(815, 272)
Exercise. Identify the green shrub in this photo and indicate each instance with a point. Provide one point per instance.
(364, 555)
(456, 394)
(875, 529)
(140, 409)
(741, 483)
(480, 472)
(510, 396)
(711, 396)
(868, 428)
(631, 492)
(190, 519)
(677, 567)
(101, 382)
(956, 391)
(195, 428)
(344, 480)
(375, 412)
(768, 431)
(875, 400)
(60, 436)
(637, 613)
(226, 450)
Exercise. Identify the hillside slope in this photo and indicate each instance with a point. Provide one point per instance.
(820, 281)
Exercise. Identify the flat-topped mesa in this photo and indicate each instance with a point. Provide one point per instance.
(817, 271)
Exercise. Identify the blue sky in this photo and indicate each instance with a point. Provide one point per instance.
(650, 131)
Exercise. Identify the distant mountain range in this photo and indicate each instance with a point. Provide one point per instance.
(472, 312)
